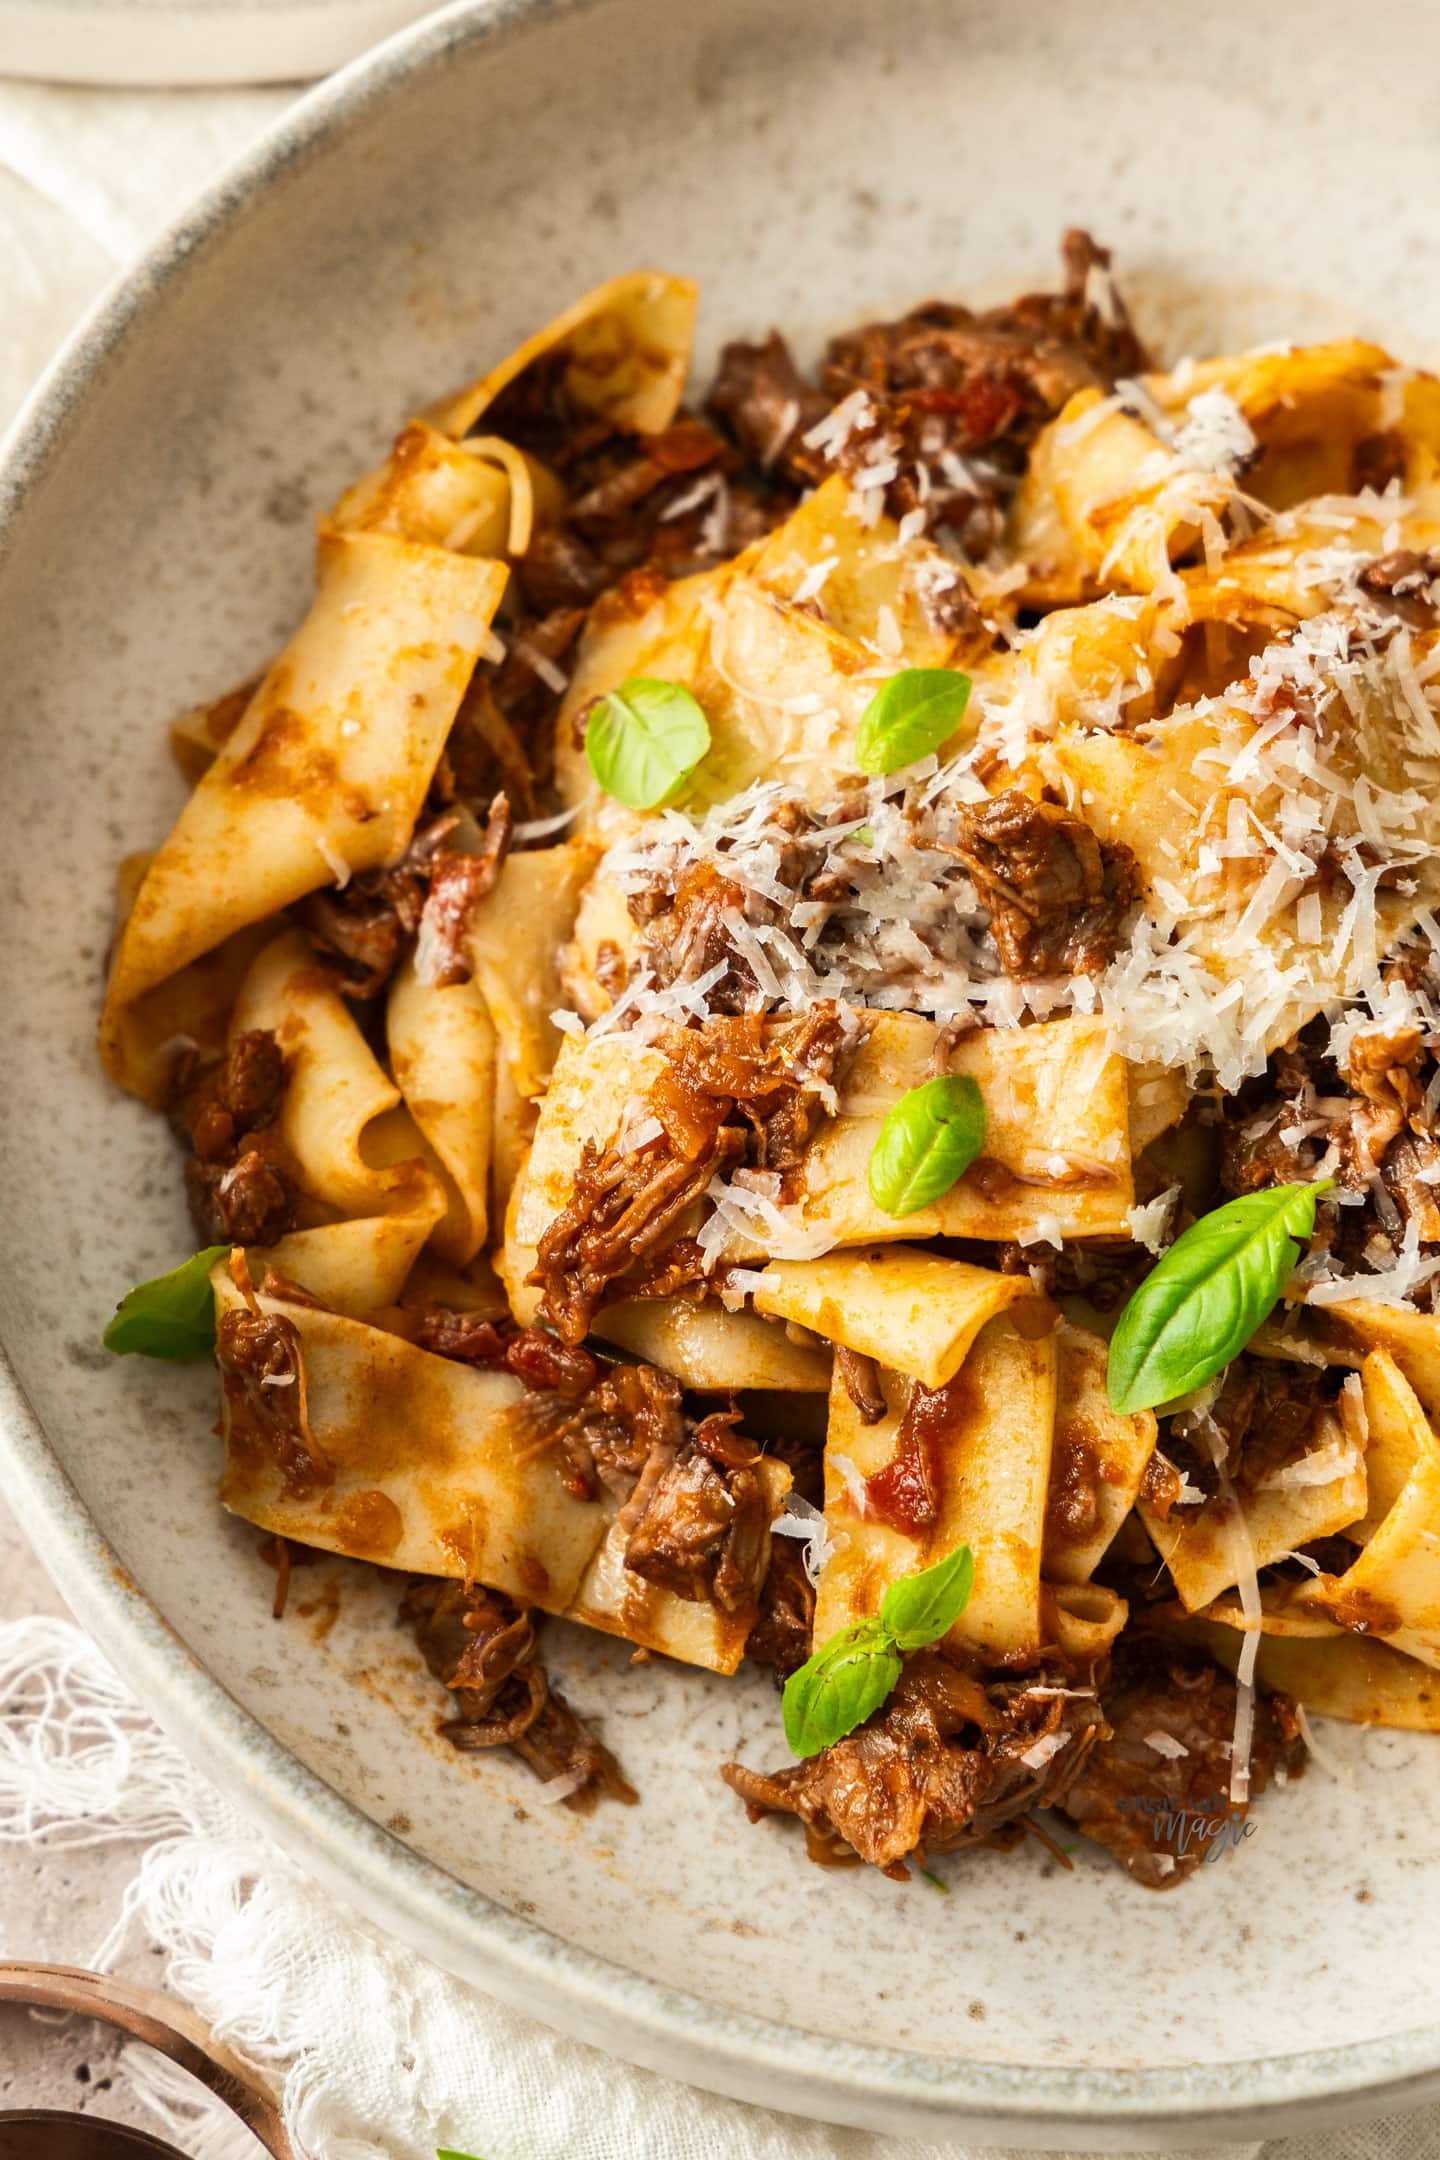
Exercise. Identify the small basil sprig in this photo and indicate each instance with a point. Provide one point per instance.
(910, 716)
(1200, 1306)
(172, 1316)
(644, 739)
(919, 1609)
(928, 1140)
(846, 1681)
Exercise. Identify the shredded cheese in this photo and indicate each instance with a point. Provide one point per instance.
(804, 1521)
(1164, 1743)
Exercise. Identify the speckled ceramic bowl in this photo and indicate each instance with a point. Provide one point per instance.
(408, 221)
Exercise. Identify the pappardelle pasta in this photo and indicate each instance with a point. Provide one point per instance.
(807, 1033)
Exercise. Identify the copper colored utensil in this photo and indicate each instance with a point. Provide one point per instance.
(166, 2026)
(47, 2134)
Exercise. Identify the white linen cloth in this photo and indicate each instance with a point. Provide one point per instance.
(378, 2054)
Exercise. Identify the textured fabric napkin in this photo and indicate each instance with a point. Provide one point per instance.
(379, 2055)
(86, 178)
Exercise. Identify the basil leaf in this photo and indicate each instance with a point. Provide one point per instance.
(927, 1141)
(910, 716)
(1205, 1299)
(919, 1609)
(172, 1316)
(839, 1687)
(644, 739)
(445, 2153)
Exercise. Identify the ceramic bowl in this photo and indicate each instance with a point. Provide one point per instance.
(407, 222)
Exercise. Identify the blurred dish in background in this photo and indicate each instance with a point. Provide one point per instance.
(204, 41)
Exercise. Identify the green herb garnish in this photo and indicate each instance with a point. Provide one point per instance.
(172, 1316)
(935, 1882)
(927, 1141)
(1200, 1306)
(644, 739)
(919, 1609)
(910, 716)
(845, 1683)
(445, 2153)
(839, 1687)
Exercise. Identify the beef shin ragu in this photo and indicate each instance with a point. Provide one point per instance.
(805, 1021)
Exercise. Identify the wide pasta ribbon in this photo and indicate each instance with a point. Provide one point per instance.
(324, 776)
(325, 770)
(372, 1193)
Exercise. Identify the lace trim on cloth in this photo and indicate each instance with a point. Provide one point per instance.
(378, 2054)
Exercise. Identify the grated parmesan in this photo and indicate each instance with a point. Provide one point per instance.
(1148, 1225)
(335, 862)
(804, 1521)
(850, 1477)
(1235, 1529)
(1044, 1750)
(1164, 1743)
(1322, 1466)
(1214, 436)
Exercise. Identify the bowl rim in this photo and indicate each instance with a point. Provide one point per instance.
(664, 2029)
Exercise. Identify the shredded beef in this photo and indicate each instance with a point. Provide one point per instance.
(725, 1095)
(623, 1208)
(246, 1094)
(262, 1371)
(1162, 1814)
(1406, 586)
(954, 398)
(367, 925)
(535, 645)
(860, 1377)
(660, 503)
(631, 1423)
(1057, 894)
(700, 1519)
(940, 1766)
(684, 935)
(458, 883)
(362, 929)
(484, 756)
(240, 1179)
(692, 1505)
(529, 1353)
(683, 926)
(605, 1422)
(1369, 1128)
(560, 570)
(1268, 1411)
(1104, 1275)
(760, 395)
(814, 1051)
(781, 1635)
(987, 383)
(483, 1647)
